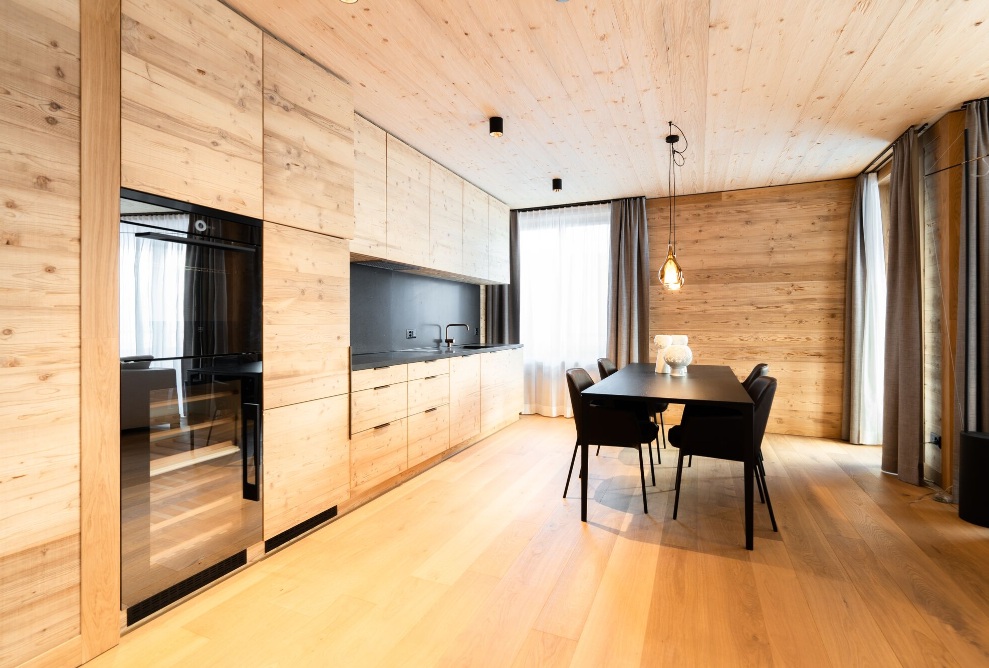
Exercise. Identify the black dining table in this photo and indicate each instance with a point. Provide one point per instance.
(703, 385)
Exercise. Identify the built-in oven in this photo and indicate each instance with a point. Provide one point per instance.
(190, 398)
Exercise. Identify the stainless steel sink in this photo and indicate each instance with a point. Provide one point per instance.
(479, 346)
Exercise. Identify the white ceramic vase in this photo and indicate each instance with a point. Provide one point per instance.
(662, 342)
(678, 357)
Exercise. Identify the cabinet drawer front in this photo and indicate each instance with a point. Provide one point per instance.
(366, 379)
(370, 408)
(428, 393)
(429, 434)
(419, 370)
(377, 455)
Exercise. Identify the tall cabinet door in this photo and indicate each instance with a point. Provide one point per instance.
(498, 240)
(308, 144)
(446, 215)
(370, 187)
(408, 204)
(475, 231)
(190, 105)
(465, 399)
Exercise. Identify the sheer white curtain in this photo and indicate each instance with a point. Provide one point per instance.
(865, 318)
(563, 318)
(149, 269)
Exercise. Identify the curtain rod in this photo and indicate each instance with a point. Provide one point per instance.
(883, 158)
(564, 206)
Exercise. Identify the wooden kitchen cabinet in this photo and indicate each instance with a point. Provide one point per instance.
(501, 385)
(428, 393)
(429, 434)
(191, 110)
(498, 241)
(306, 310)
(370, 188)
(446, 217)
(306, 461)
(475, 238)
(378, 454)
(465, 399)
(308, 144)
(367, 379)
(378, 406)
(407, 204)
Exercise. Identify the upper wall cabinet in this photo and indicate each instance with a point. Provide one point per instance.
(308, 144)
(475, 231)
(408, 204)
(370, 187)
(191, 124)
(499, 269)
(446, 203)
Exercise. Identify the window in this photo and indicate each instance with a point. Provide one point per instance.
(563, 271)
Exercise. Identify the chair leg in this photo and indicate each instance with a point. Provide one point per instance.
(570, 472)
(690, 461)
(758, 485)
(662, 429)
(598, 452)
(642, 476)
(676, 499)
(652, 467)
(761, 470)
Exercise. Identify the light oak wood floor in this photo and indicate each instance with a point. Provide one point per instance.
(480, 562)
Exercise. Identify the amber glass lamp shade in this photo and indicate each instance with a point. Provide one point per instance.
(670, 274)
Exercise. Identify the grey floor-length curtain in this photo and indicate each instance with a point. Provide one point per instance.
(903, 407)
(865, 317)
(972, 356)
(501, 317)
(628, 282)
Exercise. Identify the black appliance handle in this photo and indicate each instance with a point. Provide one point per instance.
(252, 490)
(157, 236)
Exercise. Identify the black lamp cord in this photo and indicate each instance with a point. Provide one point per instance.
(676, 160)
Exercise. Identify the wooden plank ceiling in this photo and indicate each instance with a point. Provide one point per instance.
(768, 92)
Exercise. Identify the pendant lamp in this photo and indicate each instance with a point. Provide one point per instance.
(671, 274)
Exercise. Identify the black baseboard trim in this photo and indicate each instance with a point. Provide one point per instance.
(166, 597)
(276, 542)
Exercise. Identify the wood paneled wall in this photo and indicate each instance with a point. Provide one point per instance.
(765, 282)
(39, 328)
(944, 155)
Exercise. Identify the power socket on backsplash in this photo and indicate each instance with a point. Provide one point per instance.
(410, 333)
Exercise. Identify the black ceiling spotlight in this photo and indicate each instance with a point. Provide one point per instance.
(557, 185)
(496, 126)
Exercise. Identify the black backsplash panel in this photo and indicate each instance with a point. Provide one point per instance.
(384, 304)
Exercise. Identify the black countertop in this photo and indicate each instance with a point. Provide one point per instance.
(376, 360)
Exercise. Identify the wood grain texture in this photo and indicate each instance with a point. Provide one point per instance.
(765, 282)
(465, 398)
(419, 370)
(100, 370)
(767, 93)
(306, 461)
(367, 379)
(374, 407)
(191, 105)
(306, 305)
(308, 144)
(446, 219)
(408, 204)
(944, 155)
(429, 392)
(40, 330)
(475, 231)
(370, 190)
(429, 434)
(378, 454)
(501, 389)
(499, 268)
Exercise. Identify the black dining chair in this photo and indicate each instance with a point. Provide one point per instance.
(758, 371)
(716, 434)
(606, 367)
(601, 424)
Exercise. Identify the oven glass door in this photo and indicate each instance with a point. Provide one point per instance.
(190, 463)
